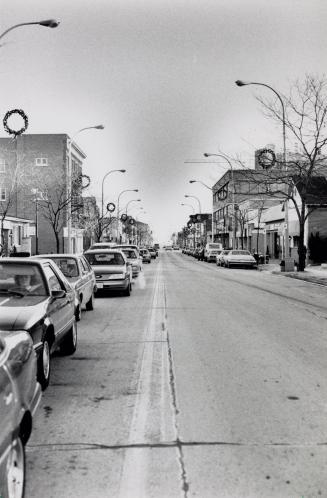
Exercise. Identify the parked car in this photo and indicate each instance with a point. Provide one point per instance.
(102, 245)
(153, 252)
(134, 259)
(80, 275)
(146, 256)
(36, 297)
(239, 257)
(112, 270)
(168, 248)
(175, 248)
(220, 257)
(210, 251)
(20, 394)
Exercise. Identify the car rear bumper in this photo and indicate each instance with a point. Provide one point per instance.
(108, 285)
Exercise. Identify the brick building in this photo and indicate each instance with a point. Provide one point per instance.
(36, 175)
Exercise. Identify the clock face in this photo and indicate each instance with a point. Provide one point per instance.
(111, 207)
(266, 158)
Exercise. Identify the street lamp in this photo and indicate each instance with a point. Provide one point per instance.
(289, 265)
(199, 203)
(190, 205)
(211, 190)
(69, 184)
(120, 194)
(208, 154)
(49, 23)
(194, 197)
(103, 179)
(132, 200)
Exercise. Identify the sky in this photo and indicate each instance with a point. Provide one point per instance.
(159, 75)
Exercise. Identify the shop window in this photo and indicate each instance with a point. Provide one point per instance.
(2, 166)
(3, 194)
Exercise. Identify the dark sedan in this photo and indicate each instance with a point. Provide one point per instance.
(20, 395)
(36, 297)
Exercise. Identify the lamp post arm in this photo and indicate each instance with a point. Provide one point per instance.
(50, 24)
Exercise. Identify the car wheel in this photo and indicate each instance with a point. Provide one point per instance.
(44, 367)
(227, 264)
(16, 470)
(69, 344)
(78, 313)
(127, 292)
(90, 304)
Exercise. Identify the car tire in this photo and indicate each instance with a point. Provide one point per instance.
(69, 344)
(44, 364)
(15, 479)
(90, 303)
(78, 313)
(127, 292)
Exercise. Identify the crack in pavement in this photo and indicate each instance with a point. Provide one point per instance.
(168, 444)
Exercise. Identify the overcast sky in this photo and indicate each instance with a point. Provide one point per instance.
(159, 75)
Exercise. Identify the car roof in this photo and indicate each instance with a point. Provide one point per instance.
(106, 251)
(56, 255)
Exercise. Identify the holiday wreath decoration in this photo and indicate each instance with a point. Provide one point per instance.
(266, 158)
(87, 182)
(9, 130)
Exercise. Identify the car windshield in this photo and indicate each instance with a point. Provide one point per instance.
(240, 253)
(105, 258)
(21, 279)
(68, 266)
(129, 253)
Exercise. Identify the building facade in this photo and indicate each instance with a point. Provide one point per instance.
(35, 186)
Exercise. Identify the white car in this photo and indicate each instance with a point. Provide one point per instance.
(220, 257)
(210, 251)
(112, 270)
(240, 258)
(134, 259)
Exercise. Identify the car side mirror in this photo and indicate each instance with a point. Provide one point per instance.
(57, 294)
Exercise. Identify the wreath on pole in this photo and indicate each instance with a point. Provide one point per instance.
(9, 130)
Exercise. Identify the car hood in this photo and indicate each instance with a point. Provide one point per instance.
(17, 313)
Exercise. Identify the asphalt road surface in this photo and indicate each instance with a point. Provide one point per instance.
(205, 382)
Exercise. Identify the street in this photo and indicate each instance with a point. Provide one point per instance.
(206, 381)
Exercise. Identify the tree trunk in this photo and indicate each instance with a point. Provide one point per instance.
(57, 241)
(302, 250)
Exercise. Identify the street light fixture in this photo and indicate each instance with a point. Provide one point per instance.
(190, 205)
(194, 197)
(211, 190)
(103, 179)
(48, 23)
(209, 154)
(122, 192)
(289, 264)
(69, 184)
(132, 200)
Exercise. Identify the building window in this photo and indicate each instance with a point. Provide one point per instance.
(41, 161)
(3, 194)
(2, 165)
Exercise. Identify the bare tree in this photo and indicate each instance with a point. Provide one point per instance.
(298, 180)
(55, 201)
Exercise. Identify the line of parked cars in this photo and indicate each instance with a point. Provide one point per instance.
(41, 299)
(228, 258)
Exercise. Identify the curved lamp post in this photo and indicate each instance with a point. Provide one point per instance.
(209, 154)
(69, 184)
(211, 190)
(132, 200)
(289, 265)
(103, 179)
(48, 23)
(190, 205)
(119, 195)
(194, 197)
(199, 203)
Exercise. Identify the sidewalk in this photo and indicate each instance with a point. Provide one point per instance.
(313, 273)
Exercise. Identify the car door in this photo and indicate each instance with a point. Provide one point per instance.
(8, 419)
(87, 281)
(59, 310)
